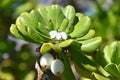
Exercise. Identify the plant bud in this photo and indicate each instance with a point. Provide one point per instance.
(46, 60)
(57, 67)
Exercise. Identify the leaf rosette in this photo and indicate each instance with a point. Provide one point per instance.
(56, 24)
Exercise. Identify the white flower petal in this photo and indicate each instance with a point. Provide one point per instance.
(64, 35)
(53, 34)
(58, 36)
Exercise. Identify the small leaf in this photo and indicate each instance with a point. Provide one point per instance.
(65, 43)
(48, 46)
(45, 48)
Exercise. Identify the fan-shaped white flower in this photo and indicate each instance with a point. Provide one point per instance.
(63, 35)
(58, 35)
(53, 34)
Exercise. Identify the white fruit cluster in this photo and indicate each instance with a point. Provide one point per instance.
(56, 66)
(58, 35)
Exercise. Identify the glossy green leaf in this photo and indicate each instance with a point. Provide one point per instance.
(67, 73)
(82, 72)
(40, 28)
(81, 27)
(55, 14)
(25, 20)
(69, 13)
(108, 53)
(111, 52)
(89, 35)
(99, 77)
(46, 47)
(18, 34)
(64, 24)
(65, 43)
(43, 15)
(79, 16)
(119, 67)
(81, 60)
(14, 30)
(113, 70)
(34, 35)
(90, 44)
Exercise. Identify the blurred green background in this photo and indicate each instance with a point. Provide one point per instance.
(17, 57)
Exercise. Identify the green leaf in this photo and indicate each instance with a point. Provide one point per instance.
(80, 16)
(108, 54)
(22, 22)
(65, 43)
(113, 70)
(119, 67)
(99, 77)
(69, 13)
(111, 52)
(67, 73)
(45, 48)
(81, 60)
(25, 20)
(43, 15)
(81, 28)
(40, 28)
(89, 35)
(35, 35)
(14, 30)
(36, 18)
(48, 46)
(99, 59)
(64, 24)
(55, 14)
(116, 55)
(90, 44)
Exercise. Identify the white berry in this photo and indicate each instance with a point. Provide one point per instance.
(46, 60)
(57, 67)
